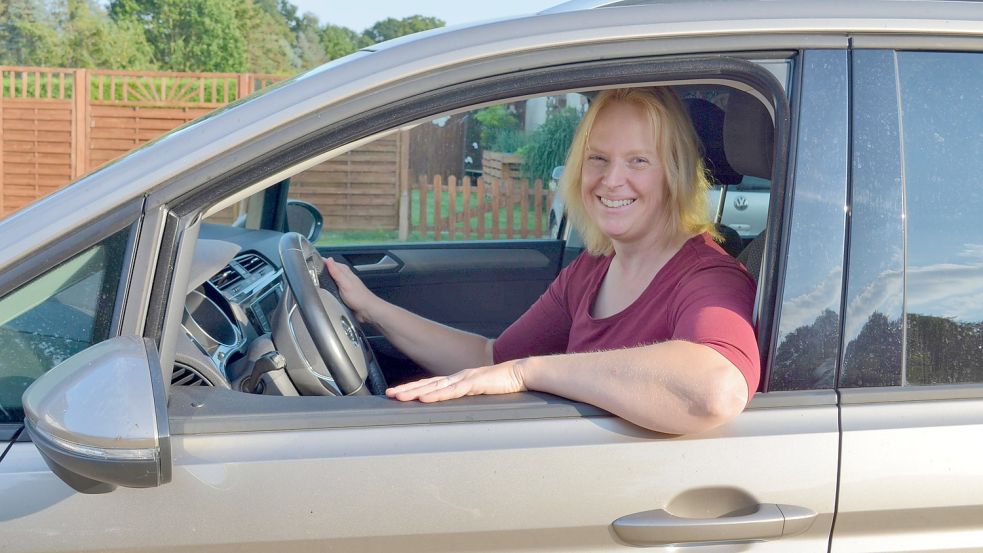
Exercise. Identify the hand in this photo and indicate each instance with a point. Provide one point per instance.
(353, 291)
(504, 378)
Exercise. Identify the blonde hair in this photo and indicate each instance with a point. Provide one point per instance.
(678, 147)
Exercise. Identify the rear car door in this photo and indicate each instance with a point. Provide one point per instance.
(911, 369)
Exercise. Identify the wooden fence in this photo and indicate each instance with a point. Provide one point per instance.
(467, 209)
(57, 124)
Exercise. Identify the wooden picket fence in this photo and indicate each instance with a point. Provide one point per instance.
(475, 209)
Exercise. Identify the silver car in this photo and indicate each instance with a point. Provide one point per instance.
(179, 397)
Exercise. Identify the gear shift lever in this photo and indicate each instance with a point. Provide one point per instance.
(269, 361)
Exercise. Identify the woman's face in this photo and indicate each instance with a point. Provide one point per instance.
(623, 184)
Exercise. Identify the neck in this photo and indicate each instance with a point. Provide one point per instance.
(655, 252)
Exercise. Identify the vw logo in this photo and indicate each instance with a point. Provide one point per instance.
(740, 203)
(346, 325)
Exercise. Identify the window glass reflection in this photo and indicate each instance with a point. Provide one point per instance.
(942, 118)
(808, 338)
(873, 329)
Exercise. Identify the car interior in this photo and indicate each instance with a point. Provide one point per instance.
(262, 317)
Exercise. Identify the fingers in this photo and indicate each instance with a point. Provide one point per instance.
(438, 388)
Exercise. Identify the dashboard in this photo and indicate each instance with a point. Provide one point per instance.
(234, 289)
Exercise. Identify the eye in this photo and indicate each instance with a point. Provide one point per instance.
(596, 159)
(639, 161)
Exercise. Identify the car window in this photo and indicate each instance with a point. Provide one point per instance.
(55, 316)
(809, 324)
(942, 120)
(483, 174)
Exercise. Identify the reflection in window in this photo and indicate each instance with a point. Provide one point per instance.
(873, 330)
(942, 118)
(809, 328)
(55, 316)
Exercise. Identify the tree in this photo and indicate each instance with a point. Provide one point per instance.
(339, 41)
(88, 38)
(190, 35)
(391, 28)
(27, 35)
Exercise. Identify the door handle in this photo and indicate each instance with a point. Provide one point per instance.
(385, 264)
(659, 527)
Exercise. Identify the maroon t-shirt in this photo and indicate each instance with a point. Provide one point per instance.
(701, 295)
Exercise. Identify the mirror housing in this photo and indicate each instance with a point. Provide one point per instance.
(99, 418)
(304, 219)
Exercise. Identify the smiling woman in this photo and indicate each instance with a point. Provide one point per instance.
(651, 323)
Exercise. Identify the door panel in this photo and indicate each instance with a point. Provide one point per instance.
(530, 485)
(479, 287)
(911, 475)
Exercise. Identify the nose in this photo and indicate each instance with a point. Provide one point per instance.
(614, 175)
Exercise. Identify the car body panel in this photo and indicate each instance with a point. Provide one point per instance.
(534, 485)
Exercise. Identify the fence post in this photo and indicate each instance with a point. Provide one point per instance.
(80, 123)
(3, 207)
(404, 185)
(245, 85)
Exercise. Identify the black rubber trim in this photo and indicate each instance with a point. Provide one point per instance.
(195, 410)
(530, 82)
(163, 277)
(67, 246)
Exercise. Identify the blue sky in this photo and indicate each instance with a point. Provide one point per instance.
(361, 14)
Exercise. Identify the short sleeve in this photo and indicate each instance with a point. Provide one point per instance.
(544, 328)
(714, 308)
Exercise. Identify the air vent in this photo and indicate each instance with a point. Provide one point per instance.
(186, 376)
(252, 263)
(226, 278)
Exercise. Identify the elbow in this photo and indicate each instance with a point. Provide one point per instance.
(720, 404)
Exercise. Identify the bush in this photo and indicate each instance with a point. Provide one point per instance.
(547, 146)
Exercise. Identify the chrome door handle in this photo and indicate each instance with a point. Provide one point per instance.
(659, 527)
(385, 264)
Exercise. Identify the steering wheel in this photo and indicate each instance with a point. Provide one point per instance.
(332, 326)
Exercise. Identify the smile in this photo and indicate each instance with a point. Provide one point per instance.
(616, 203)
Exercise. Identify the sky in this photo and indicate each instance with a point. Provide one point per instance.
(361, 14)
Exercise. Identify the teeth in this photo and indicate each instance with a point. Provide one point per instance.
(616, 203)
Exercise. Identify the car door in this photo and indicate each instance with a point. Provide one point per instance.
(531, 472)
(911, 368)
(521, 472)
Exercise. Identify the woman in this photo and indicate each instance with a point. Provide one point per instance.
(651, 323)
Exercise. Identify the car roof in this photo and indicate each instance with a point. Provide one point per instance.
(207, 148)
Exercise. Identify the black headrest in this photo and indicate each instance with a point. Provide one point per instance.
(708, 121)
(749, 135)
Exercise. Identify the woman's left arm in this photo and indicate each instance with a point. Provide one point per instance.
(676, 387)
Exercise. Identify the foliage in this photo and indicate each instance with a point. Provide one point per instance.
(27, 34)
(339, 41)
(69, 33)
(258, 36)
(501, 130)
(391, 28)
(547, 146)
(191, 35)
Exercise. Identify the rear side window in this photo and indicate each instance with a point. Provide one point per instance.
(942, 121)
(55, 316)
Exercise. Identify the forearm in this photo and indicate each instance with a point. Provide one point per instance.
(675, 387)
(436, 347)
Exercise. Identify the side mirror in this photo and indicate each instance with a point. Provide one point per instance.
(99, 418)
(304, 219)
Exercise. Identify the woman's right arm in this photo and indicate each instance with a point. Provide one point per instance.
(436, 347)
